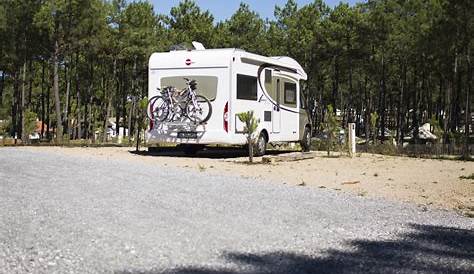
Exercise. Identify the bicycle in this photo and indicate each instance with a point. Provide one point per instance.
(173, 104)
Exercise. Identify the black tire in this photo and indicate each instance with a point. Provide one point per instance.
(260, 147)
(191, 149)
(157, 109)
(154, 149)
(306, 141)
(201, 114)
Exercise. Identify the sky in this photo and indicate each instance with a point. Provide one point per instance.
(223, 9)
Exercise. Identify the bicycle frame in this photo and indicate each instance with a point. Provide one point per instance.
(177, 98)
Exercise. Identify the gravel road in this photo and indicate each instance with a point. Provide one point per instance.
(74, 214)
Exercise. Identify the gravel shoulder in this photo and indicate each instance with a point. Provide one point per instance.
(111, 211)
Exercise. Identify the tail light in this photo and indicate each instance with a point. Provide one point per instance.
(226, 117)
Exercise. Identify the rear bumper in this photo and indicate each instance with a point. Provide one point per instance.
(156, 136)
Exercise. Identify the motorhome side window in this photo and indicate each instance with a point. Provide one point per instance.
(290, 93)
(246, 87)
(268, 76)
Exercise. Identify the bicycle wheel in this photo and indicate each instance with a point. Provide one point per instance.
(199, 112)
(157, 109)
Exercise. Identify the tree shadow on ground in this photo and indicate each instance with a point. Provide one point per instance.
(427, 249)
(207, 152)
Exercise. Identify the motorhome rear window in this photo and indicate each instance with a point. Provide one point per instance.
(246, 87)
(290, 93)
(206, 85)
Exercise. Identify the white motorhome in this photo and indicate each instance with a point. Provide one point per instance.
(234, 81)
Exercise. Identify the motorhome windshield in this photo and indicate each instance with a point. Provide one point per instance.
(206, 85)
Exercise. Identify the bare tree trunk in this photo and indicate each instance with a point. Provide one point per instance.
(138, 135)
(382, 102)
(66, 107)
(132, 108)
(2, 86)
(42, 100)
(57, 101)
(48, 108)
(467, 111)
(30, 84)
(24, 137)
(15, 105)
(131, 113)
(366, 114)
(335, 83)
(251, 144)
(78, 95)
(108, 99)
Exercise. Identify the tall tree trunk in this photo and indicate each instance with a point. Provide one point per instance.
(335, 83)
(42, 99)
(367, 113)
(131, 114)
(382, 102)
(108, 102)
(48, 112)
(78, 95)
(415, 122)
(118, 81)
(57, 100)
(138, 126)
(15, 105)
(67, 107)
(30, 84)
(467, 110)
(2, 86)
(24, 135)
(132, 108)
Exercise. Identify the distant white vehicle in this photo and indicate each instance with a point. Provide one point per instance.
(234, 81)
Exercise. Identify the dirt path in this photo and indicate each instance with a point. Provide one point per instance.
(421, 181)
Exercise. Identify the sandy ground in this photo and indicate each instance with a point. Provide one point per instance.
(422, 181)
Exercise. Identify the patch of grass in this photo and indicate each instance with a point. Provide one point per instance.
(468, 177)
(202, 168)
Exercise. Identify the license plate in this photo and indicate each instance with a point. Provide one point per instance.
(187, 135)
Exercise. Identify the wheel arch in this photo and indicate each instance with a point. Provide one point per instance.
(265, 133)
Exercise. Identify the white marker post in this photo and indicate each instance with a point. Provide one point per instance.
(352, 139)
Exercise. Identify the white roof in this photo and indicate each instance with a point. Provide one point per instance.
(216, 58)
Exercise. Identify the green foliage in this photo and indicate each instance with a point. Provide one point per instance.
(468, 177)
(30, 122)
(436, 128)
(250, 128)
(251, 123)
(331, 128)
(5, 127)
(399, 60)
(245, 30)
(386, 148)
(374, 117)
(188, 23)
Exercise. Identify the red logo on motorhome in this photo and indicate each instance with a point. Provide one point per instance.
(188, 62)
